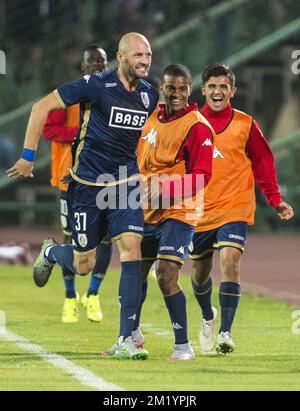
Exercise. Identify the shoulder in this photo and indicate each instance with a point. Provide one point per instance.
(200, 120)
(201, 130)
(147, 87)
(99, 79)
(240, 114)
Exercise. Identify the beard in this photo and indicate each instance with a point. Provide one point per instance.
(132, 72)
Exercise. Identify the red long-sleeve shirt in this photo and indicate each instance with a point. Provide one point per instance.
(56, 129)
(257, 150)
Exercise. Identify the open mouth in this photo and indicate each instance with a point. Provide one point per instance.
(217, 99)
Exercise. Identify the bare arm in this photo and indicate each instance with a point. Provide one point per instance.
(37, 119)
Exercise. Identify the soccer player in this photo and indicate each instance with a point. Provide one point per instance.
(114, 109)
(241, 157)
(176, 145)
(61, 128)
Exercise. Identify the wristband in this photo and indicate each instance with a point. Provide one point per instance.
(28, 155)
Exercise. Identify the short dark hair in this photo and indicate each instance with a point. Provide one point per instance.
(217, 70)
(177, 70)
(92, 46)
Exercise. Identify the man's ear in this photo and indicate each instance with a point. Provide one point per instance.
(234, 90)
(119, 56)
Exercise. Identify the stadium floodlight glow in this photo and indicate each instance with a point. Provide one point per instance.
(295, 65)
(2, 62)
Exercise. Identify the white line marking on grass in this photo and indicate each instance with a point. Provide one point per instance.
(157, 331)
(84, 376)
(162, 332)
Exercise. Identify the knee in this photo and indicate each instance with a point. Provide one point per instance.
(201, 270)
(84, 264)
(131, 254)
(231, 269)
(167, 281)
(163, 284)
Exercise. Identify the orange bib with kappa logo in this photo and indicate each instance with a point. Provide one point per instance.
(229, 195)
(157, 151)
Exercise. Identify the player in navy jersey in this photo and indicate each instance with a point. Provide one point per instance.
(104, 176)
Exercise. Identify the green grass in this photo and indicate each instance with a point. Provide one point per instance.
(267, 356)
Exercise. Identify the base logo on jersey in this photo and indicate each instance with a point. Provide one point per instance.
(82, 240)
(145, 99)
(126, 118)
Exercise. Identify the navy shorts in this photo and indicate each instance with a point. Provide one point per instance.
(98, 211)
(169, 240)
(64, 213)
(228, 235)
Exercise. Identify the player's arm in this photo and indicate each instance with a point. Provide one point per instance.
(55, 128)
(197, 151)
(23, 167)
(263, 167)
(79, 91)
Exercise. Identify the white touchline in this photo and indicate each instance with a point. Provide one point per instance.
(84, 376)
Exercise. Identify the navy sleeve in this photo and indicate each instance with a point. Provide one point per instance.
(81, 91)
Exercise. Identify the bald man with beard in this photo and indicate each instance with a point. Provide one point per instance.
(114, 107)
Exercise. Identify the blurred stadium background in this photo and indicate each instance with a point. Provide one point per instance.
(43, 40)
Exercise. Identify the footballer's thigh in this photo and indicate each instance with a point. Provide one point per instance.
(87, 224)
(125, 222)
(231, 239)
(201, 253)
(149, 249)
(129, 246)
(174, 238)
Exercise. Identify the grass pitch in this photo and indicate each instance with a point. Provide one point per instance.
(267, 356)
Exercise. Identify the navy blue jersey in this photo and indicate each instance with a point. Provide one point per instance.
(111, 121)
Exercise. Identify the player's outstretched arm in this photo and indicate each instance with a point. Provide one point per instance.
(285, 211)
(40, 110)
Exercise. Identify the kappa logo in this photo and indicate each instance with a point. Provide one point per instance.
(217, 153)
(177, 326)
(126, 118)
(207, 142)
(145, 99)
(87, 77)
(180, 249)
(151, 137)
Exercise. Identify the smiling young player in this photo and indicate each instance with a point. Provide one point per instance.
(176, 143)
(241, 157)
